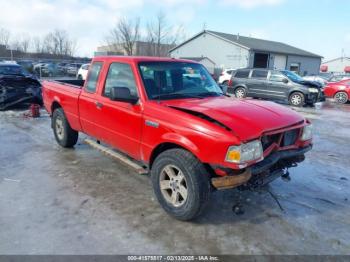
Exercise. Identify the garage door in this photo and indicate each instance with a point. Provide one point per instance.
(280, 62)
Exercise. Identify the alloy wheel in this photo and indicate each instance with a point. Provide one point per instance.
(341, 97)
(296, 99)
(59, 128)
(173, 185)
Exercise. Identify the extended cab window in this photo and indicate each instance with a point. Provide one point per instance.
(92, 79)
(120, 75)
(259, 74)
(242, 73)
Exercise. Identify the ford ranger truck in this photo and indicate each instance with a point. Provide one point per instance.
(171, 117)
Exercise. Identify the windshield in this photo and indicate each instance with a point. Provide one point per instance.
(11, 70)
(292, 76)
(170, 80)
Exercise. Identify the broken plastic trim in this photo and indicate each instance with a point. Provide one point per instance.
(202, 116)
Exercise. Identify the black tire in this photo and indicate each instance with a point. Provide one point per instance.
(341, 97)
(64, 134)
(196, 180)
(80, 77)
(240, 92)
(296, 99)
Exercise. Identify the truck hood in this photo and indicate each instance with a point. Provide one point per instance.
(248, 119)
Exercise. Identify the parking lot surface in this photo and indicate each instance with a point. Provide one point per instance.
(79, 201)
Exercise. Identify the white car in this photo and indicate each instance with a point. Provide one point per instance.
(82, 72)
(225, 76)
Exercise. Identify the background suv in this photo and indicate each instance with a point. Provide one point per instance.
(274, 85)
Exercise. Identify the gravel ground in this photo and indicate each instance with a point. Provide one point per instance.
(57, 201)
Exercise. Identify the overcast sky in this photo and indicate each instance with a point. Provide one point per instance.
(319, 26)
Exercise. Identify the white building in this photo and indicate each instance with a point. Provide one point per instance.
(338, 65)
(235, 51)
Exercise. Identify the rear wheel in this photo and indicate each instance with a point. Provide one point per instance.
(181, 183)
(297, 99)
(64, 134)
(225, 83)
(240, 92)
(341, 97)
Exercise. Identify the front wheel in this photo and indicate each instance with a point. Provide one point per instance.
(64, 134)
(240, 92)
(180, 183)
(341, 97)
(297, 99)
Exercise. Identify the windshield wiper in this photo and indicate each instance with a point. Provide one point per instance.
(207, 94)
(176, 95)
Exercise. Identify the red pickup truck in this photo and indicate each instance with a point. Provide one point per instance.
(171, 116)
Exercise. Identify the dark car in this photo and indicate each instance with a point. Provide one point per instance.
(274, 85)
(17, 86)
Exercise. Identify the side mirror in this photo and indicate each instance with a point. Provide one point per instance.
(285, 80)
(122, 94)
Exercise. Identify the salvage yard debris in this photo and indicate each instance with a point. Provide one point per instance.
(17, 87)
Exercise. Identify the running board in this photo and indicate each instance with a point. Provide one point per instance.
(119, 156)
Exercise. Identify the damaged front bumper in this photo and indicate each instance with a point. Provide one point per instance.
(263, 172)
(313, 98)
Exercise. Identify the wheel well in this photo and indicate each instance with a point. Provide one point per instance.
(160, 149)
(54, 106)
(166, 146)
(236, 87)
(296, 91)
(340, 91)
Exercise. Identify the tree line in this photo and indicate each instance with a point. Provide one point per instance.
(57, 43)
(158, 36)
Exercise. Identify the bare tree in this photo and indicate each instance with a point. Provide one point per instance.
(22, 43)
(57, 43)
(162, 36)
(124, 35)
(4, 36)
(37, 45)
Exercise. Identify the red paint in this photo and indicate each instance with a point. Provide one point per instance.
(347, 69)
(332, 88)
(122, 125)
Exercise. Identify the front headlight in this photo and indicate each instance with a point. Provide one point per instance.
(307, 133)
(313, 90)
(245, 152)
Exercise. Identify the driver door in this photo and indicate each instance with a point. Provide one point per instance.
(278, 85)
(121, 121)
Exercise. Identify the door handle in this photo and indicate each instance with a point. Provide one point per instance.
(99, 105)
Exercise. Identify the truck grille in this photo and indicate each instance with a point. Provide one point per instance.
(290, 137)
(283, 139)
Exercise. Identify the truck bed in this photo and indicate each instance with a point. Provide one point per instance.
(66, 93)
(72, 82)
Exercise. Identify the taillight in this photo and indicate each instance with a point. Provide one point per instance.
(230, 82)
